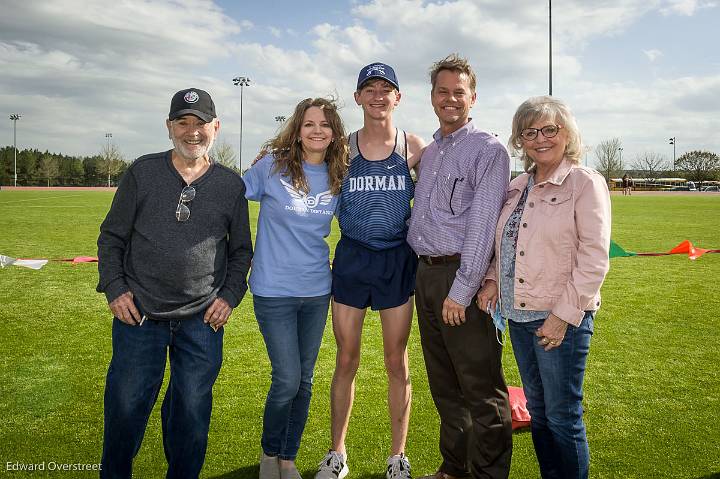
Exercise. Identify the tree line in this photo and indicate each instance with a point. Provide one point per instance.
(697, 165)
(37, 168)
(43, 168)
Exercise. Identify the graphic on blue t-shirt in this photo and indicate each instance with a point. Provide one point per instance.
(304, 202)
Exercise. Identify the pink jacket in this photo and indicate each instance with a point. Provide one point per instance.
(563, 242)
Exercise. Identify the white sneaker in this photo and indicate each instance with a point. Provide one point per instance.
(269, 467)
(333, 466)
(398, 467)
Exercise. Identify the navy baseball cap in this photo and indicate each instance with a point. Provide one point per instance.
(192, 101)
(378, 70)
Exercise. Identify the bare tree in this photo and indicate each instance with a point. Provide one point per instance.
(49, 167)
(609, 162)
(111, 161)
(699, 165)
(652, 165)
(224, 154)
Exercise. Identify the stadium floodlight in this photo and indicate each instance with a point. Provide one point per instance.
(241, 82)
(672, 142)
(15, 117)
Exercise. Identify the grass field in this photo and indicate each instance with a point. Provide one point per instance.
(652, 384)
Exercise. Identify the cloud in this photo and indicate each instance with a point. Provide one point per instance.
(79, 69)
(652, 54)
(686, 7)
(696, 96)
(644, 116)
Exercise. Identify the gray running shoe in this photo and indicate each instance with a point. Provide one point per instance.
(333, 466)
(398, 467)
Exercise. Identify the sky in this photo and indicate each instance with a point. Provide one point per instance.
(639, 70)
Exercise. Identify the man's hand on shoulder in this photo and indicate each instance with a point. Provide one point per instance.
(218, 313)
(453, 313)
(416, 146)
(123, 308)
(259, 157)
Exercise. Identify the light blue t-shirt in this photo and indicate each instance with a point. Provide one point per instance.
(291, 256)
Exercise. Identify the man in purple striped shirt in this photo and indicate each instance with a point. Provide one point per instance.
(462, 182)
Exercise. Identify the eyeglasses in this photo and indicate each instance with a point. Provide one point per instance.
(182, 213)
(548, 131)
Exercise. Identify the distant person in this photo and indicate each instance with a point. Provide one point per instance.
(627, 184)
(374, 267)
(298, 186)
(174, 251)
(461, 188)
(551, 257)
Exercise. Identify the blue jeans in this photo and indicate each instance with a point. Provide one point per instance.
(552, 381)
(133, 383)
(293, 330)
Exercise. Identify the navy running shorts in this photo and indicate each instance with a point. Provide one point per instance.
(363, 277)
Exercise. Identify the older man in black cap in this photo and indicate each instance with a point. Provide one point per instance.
(174, 253)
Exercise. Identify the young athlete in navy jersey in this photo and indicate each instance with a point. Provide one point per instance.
(373, 265)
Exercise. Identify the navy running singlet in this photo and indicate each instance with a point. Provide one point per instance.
(375, 197)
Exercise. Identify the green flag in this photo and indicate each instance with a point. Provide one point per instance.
(617, 251)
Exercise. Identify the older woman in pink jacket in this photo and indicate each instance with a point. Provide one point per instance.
(551, 257)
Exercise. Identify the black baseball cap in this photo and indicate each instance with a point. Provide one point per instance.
(192, 101)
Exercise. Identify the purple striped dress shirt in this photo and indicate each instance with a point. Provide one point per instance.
(461, 188)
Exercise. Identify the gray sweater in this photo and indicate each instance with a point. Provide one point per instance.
(175, 269)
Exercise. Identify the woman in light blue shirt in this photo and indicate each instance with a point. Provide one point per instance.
(297, 186)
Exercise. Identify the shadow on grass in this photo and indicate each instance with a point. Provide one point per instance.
(251, 472)
(246, 472)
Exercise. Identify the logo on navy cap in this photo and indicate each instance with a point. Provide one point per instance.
(376, 69)
(191, 97)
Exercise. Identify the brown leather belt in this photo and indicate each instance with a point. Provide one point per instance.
(453, 258)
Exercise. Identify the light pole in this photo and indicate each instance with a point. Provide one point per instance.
(672, 142)
(107, 154)
(621, 150)
(15, 117)
(550, 47)
(241, 82)
(587, 150)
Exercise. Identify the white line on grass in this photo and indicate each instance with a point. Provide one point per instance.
(38, 199)
(44, 206)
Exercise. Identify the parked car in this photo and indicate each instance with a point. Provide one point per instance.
(711, 188)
